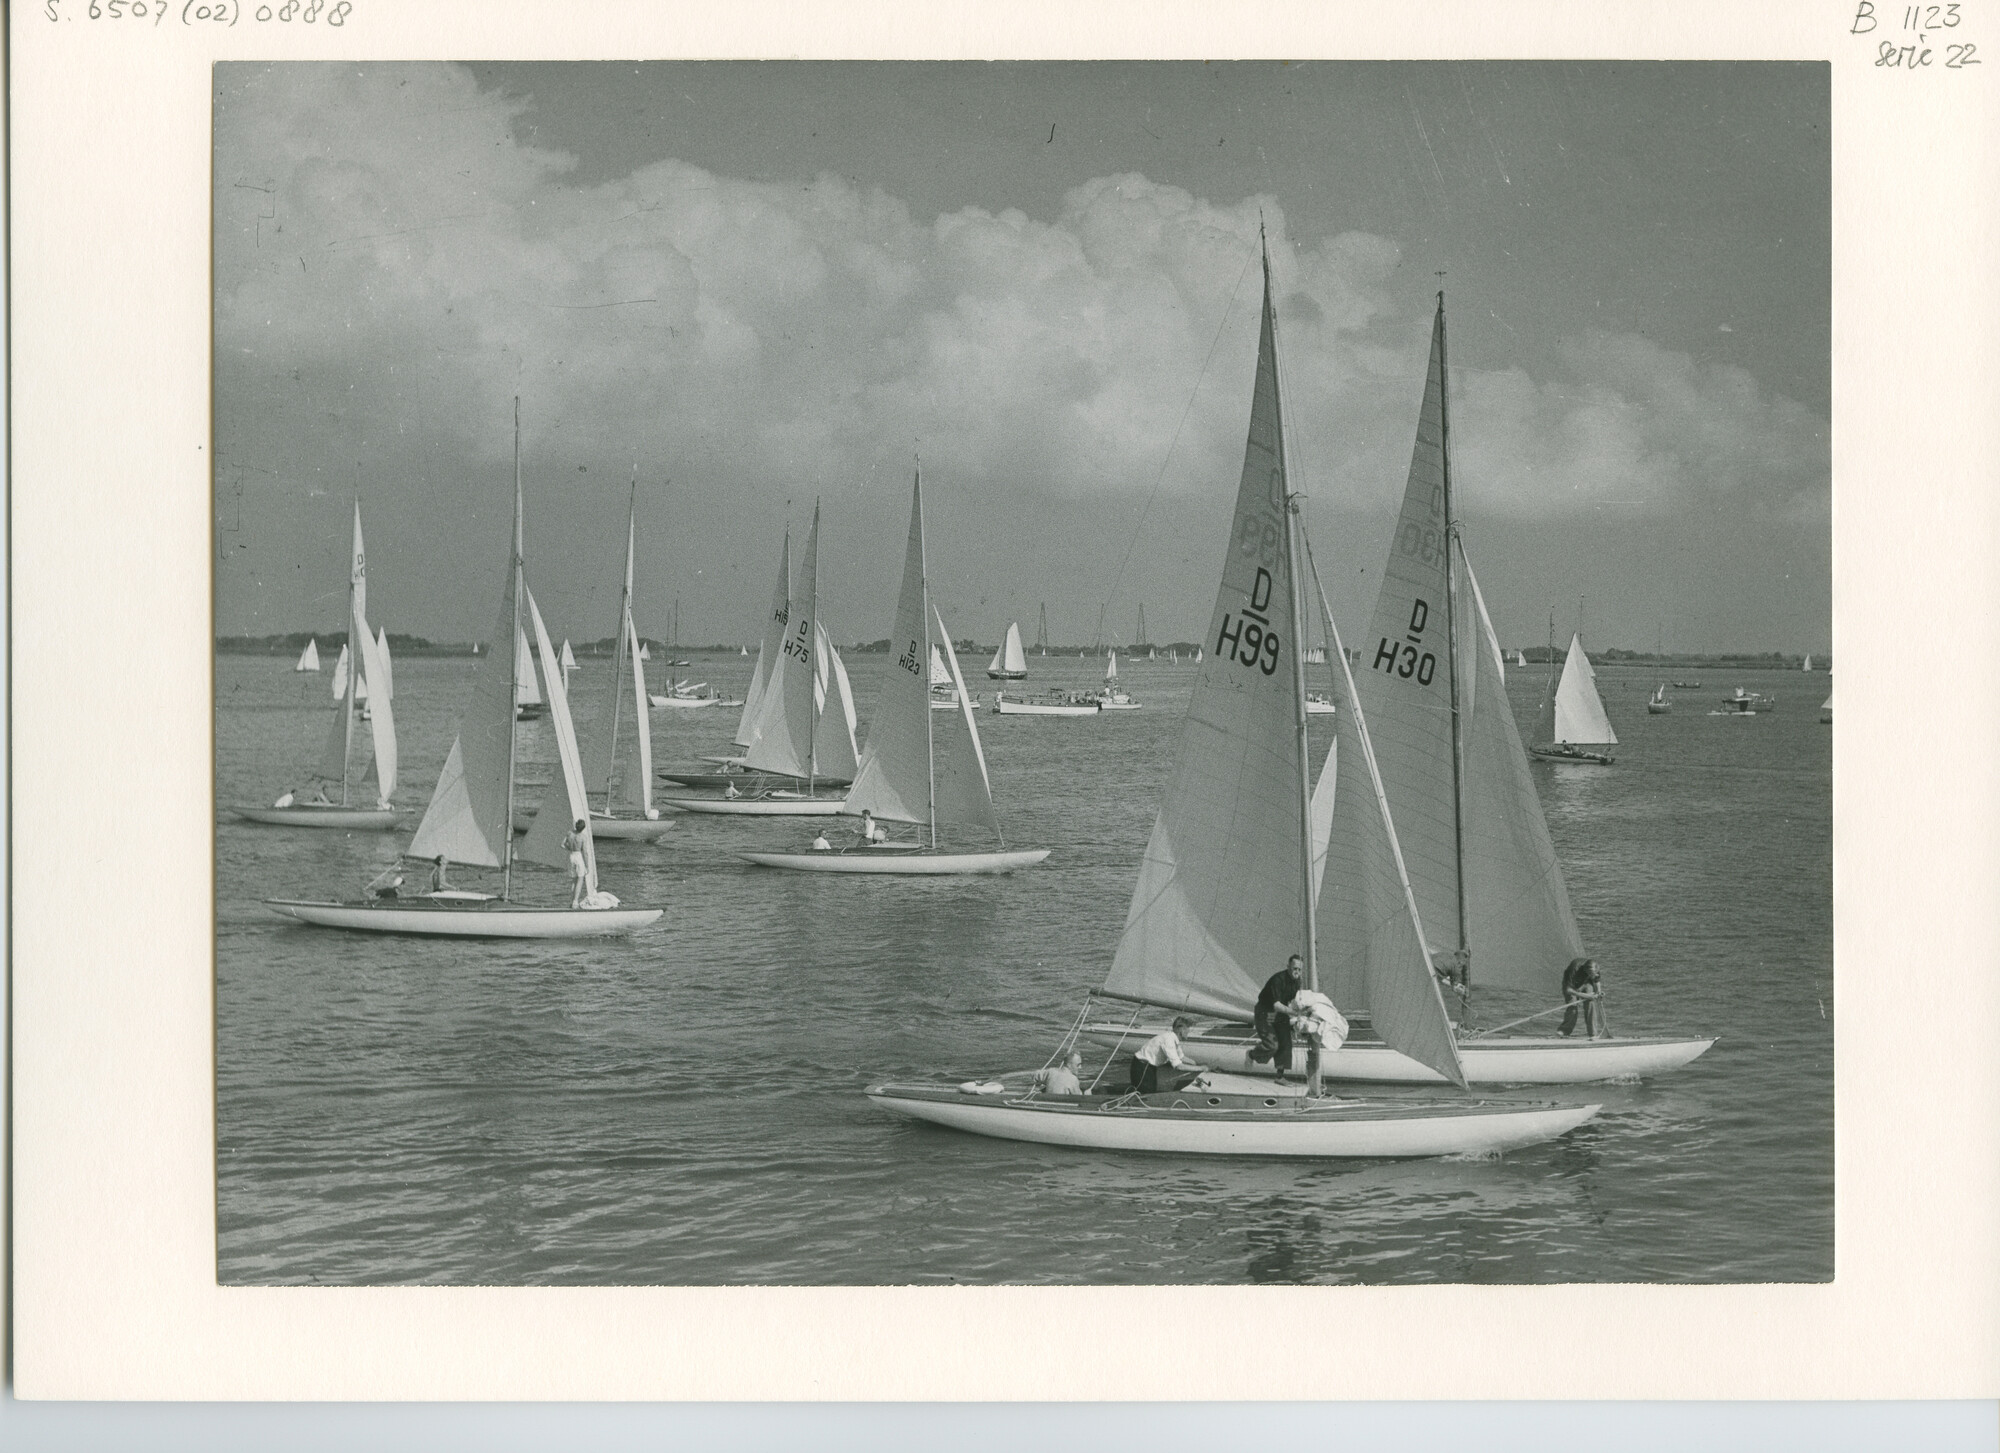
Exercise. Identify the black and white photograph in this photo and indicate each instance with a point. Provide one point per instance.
(1080, 673)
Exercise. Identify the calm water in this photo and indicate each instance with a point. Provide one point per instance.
(683, 1107)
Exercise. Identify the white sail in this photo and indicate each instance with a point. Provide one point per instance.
(894, 782)
(1523, 931)
(770, 651)
(1017, 659)
(1219, 905)
(565, 802)
(645, 651)
(381, 717)
(1808, 664)
(782, 739)
(340, 673)
(388, 667)
(309, 658)
(940, 676)
(525, 691)
(1111, 668)
(1579, 714)
(1405, 675)
(567, 656)
(623, 738)
(834, 753)
(963, 791)
(467, 819)
(1323, 799)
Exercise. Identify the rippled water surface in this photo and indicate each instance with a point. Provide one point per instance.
(683, 1107)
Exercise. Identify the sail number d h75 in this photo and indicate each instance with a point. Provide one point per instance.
(1248, 639)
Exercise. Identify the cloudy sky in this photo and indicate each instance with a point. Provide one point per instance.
(763, 284)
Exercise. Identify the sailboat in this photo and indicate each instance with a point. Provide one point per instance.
(1658, 705)
(309, 657)
(1572, 720)
(622, 745)
(1808, 663)
(1042, 631)
(1113, 697)
(338, 757)
(1227, 890)
(1483, 870)
(944, 690)
(1520, 658)
(1826, 710)
(1010, 662)
(803, 727)
(907, 773)
(527, 696)
(470, 817)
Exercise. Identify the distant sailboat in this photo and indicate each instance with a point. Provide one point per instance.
(1228, 889)
(1112, 698)
(1572, 720)
(944, 691)
(621, 748)
(1010, 662)
(337, 760)
(470, 817)
(527, 696)
(1808, 664)
(908, 774)
(309, 658)
(1520, 658)
(1659, 705)
(785, 729)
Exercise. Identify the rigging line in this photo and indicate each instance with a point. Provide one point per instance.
(1227, 309)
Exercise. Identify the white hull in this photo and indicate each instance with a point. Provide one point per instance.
(684, 703)
(760, 806)
(353, 819)
(1041, 708)
(483, 918)
(1191, 1122)
(915, 864)
(624, 829)
(1523, 1061)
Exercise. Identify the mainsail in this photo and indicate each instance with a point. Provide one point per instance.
(1486, 814)
(623, 740)
(781, 740)
(768, 649)
(1573, 713)
(1111, 667)
(1219, 905)
(309, 657)
(894, 781)
(351, 686)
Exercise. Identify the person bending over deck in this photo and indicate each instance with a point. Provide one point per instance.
(1582, 987)
(1159, 1066)
(1277, 1001)
(1063, 1079)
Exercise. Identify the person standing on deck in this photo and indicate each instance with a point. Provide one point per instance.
(439, 883)
(579, 875)
(1160, 1065)
(1277, 1001)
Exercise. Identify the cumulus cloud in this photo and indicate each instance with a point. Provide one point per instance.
(393, 266)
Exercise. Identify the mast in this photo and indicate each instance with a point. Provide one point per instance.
(930, 728)
(514, 670)
(1464, 965)
(624, 635)
(353, 667)
(1292, 502)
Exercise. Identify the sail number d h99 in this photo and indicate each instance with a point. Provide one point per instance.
(1248, 639)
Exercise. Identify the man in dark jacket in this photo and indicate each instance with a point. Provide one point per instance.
(1274, 1015)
